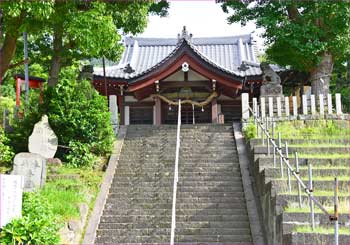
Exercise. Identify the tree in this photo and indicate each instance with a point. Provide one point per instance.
(307, 35)
(20, 16)
(75, 30)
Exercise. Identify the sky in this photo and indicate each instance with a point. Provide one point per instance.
(202, 19)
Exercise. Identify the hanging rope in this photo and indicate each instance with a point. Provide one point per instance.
(192, 102)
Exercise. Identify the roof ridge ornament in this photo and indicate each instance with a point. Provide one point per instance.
(128, 69)
(184, 35)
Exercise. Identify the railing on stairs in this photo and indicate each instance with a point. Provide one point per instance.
(176, 177)
(263, 127)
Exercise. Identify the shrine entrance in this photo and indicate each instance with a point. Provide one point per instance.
(189, 114)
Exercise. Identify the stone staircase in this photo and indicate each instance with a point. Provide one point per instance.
(210, 202)
(282, 215)
(138, 208)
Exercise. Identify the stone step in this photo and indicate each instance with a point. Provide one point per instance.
(135, 232)
(320, 218)
(255, 141)
(179, 218)
(268, 161)
(115, 239)
(326, 185)
(130, 226)
(183, 168)
(113, 204)
(239, 197)
(168, 195)
(258, 150)
(324, 200)
(147, 219)
(244, 224)
(196, 189)
(204, 212)
(233, 239)
(182, 176)
(313, 238)
(136, 211)
(276, 172)
(212, 231)
(234, 181)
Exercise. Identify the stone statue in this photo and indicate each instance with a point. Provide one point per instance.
(271, 84)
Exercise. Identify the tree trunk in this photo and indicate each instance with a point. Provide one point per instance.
(7, 52)
(56, 57)
(321, 75)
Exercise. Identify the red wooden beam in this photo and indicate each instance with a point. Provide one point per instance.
(194, 65)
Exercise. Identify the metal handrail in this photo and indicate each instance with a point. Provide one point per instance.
(176, 177)
(285, 160)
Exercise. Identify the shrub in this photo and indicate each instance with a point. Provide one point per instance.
(6, 103)
(80, 155)
(8, 90)
(22, 128)
(78, 113)
(250, 130)
(37, 225)
(6, 152)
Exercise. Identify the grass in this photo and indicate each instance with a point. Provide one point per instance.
(318, 129)
(65, 195)
(320, 230)
(309, 145)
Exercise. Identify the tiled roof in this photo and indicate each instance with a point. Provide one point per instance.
(143, 54)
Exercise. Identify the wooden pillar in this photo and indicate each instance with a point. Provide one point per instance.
(121, 109)
(158, 111)
(214, 111)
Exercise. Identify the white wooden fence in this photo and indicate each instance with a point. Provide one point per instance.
(286, 108)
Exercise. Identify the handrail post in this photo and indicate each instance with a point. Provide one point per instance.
(267, 137)
(176, 177)
(280, 151)
(297, 172)
(311, 202)
(274, 148)
(336, 214)
(288, 170)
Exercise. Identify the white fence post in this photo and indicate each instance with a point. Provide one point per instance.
(279, 109)
(245, 106)
(262, 107)
(271, 107)
(304, 100)
(127, 115)
(321, 105)
(295, 106)
(313, 104)
(286, 102)
(329, 104)
(255, 107)
(338, 104)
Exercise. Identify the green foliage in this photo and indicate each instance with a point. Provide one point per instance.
(298, 33)
(6, 103)
(250, 130)
(6, 152)
(64, 195)
(80, 155)
(23, 127)
(8, 90)
(37, 225)
(80, 118)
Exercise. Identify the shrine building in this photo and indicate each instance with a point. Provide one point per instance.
(208, 75)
